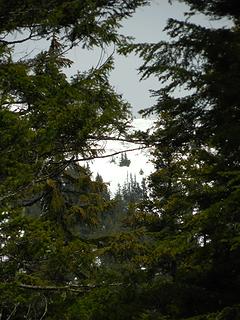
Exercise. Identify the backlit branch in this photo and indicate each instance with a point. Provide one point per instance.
(110, 154)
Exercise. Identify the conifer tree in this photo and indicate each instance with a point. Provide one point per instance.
(48, 122)
(194, 212)
(124, 161)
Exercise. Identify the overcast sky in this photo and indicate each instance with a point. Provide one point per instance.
(146, 25)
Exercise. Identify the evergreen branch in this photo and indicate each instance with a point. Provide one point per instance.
(109, 155)
(63, 166)
(116, 139)
(31, 35)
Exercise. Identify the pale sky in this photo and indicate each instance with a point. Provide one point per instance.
(146, 25)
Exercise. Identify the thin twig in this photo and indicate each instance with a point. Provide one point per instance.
(46, 308)
(13, 311)
(28, 312)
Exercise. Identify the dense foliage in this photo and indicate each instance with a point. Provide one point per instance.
(169, 250)
(49, 122)
(194, 211)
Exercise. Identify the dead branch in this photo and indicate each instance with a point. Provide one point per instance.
(56, 288)
(13, 311)
(71, 288)
(45, 309)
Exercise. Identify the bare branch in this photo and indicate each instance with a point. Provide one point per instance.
(54, 288)
(46, 308)
(28, 312)
(13, 311)
(71, 288)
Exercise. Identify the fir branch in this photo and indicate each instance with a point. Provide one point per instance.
(64, 164)
(110, 154)
(31, 36)
(105, 138)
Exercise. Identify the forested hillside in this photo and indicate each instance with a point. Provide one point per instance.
(121, 159)
(166, 249)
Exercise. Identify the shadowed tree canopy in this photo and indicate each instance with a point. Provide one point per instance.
(193, 211)
(48, 122)
(89, 22)
(216, 8)
(179, 257)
